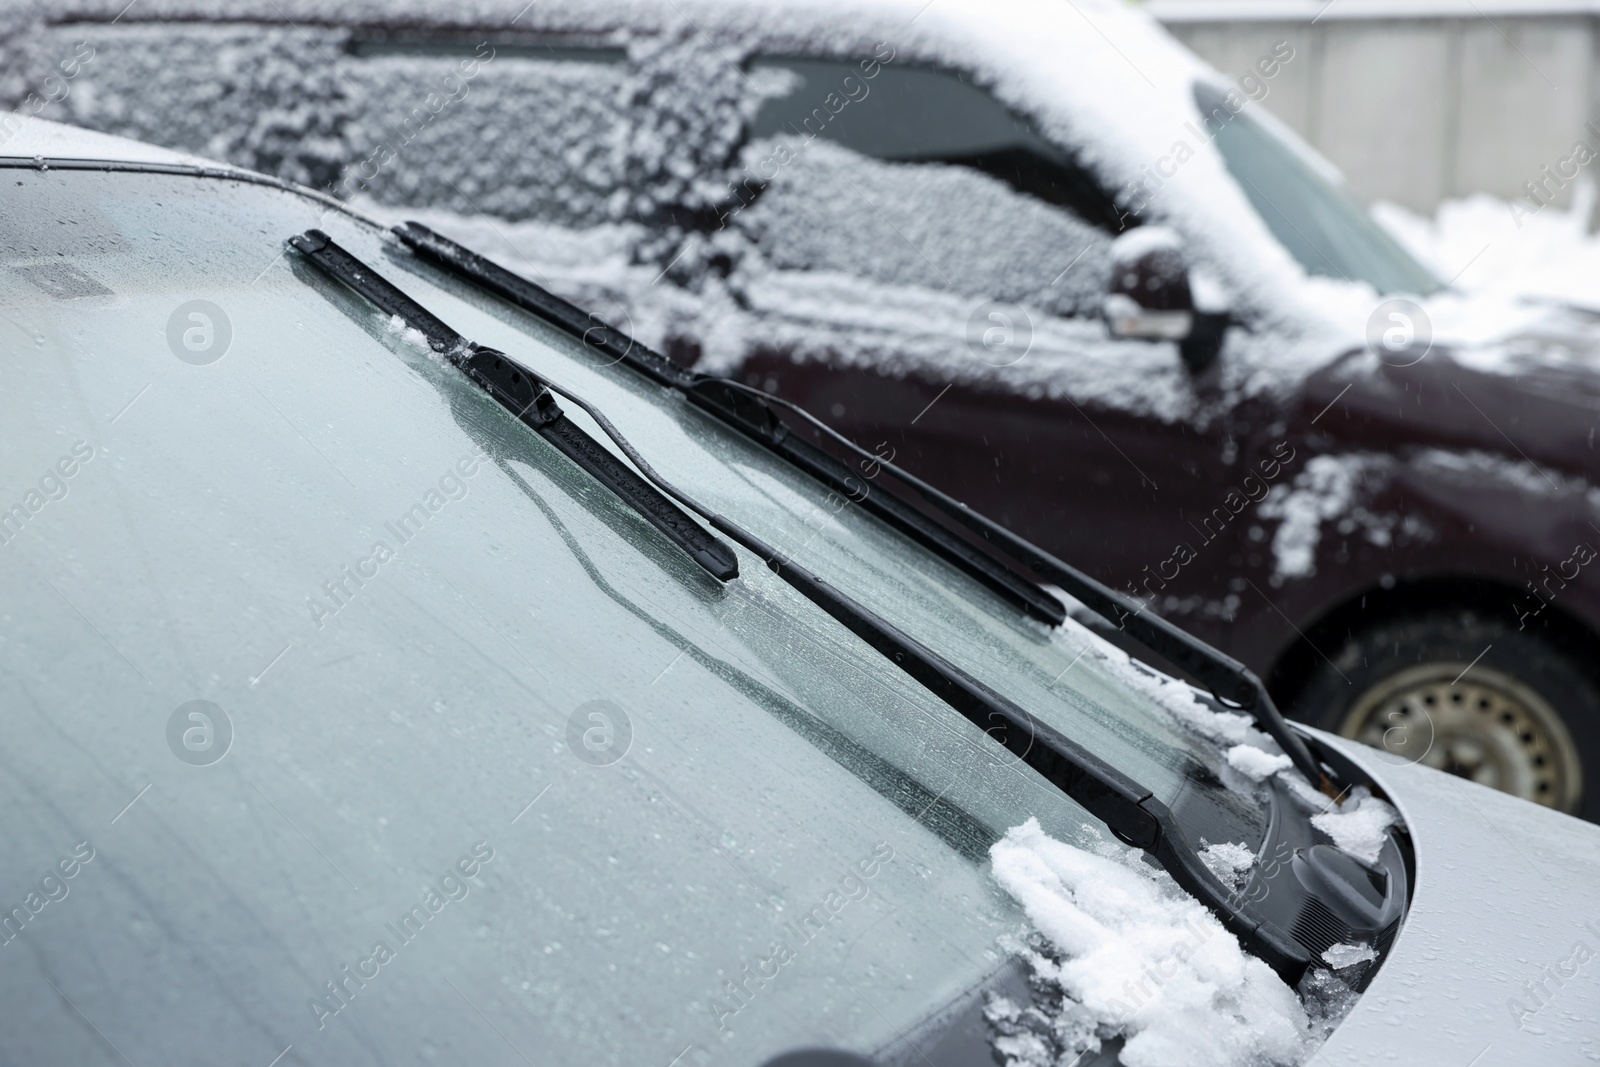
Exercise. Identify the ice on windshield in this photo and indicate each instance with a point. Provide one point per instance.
(424, 637)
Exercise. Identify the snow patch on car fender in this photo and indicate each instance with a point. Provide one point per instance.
(1326, 489)
(1477, 468)
(1135, 957)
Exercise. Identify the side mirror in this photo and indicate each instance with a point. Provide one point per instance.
(1150, 297)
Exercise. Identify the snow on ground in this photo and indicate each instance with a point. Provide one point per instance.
(1139, 959)
(1507, 248)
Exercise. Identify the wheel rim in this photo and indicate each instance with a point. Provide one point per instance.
(1477, 723)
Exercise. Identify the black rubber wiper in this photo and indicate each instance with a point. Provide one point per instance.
(744, 409)
(1229, 680)
(1127, 808)
(524, 394)
(757, 414)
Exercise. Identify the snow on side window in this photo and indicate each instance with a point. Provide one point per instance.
(933, 226)
(480, 128)
(915, 177)
(255, 96)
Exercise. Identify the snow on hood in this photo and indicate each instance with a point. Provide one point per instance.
(1137, 958)
(1526, 281)
(1494, 961)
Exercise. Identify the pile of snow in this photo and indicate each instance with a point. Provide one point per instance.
(1360, 825)
(1255, 763)
(1507, 249)
(1344, 956)
(1136, 958)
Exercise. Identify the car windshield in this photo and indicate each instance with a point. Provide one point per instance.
(392, 737)
(1309, 211)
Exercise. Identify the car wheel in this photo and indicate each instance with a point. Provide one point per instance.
(1469, 695)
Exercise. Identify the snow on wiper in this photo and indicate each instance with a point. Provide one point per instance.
(756, 414)
(525, 395)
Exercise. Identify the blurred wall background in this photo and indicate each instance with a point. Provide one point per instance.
(1420, 101)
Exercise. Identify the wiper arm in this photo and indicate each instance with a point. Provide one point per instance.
(524, 394)
(743, 409)
(756, 414)
(1127, 808)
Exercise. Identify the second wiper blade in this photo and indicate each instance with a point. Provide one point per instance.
(744, 410)
(756, 414)
(1130, 810)
(525, 396)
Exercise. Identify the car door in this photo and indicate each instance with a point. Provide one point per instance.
(927, 272)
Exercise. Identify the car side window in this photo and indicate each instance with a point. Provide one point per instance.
(910, 175)
(473, 125)
(919, 115)
(461, 122)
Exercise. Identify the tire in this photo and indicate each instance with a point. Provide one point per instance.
(1469, 694)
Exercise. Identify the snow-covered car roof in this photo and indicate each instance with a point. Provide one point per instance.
(1099, 75)
(41, 138)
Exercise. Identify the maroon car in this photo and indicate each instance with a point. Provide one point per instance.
(1062, 270)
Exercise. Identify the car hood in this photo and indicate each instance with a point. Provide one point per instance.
(1498, 961)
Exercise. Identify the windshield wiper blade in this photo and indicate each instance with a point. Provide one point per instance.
(525, 395)
(1128, 809)
(745, 411)
(1230, 681)
(756, 414)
